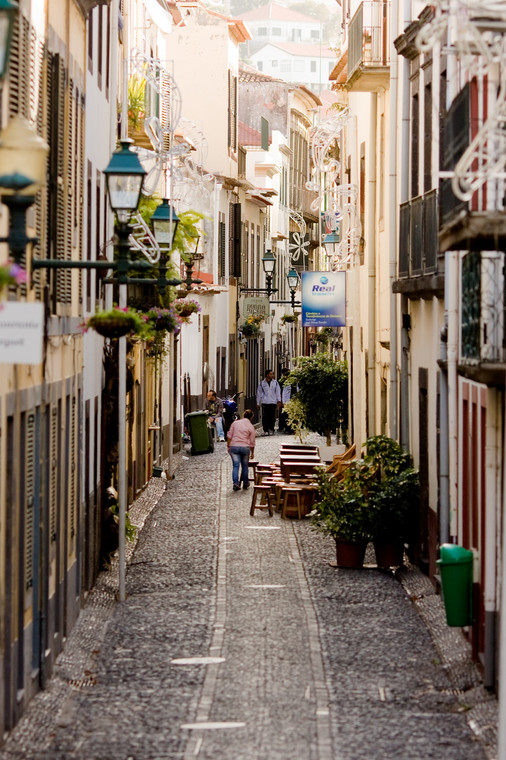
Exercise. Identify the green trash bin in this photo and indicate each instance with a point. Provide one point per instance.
(456, 567)
(201, 434)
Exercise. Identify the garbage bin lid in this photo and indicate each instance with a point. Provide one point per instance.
(451, 554)
(203, 413)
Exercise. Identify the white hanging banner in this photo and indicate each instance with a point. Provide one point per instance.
(21, 329)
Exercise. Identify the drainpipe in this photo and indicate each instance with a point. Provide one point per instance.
(452, 288)
(371, 266)
(392, 220)
(444, 491)
(492, 479)
(404, 413)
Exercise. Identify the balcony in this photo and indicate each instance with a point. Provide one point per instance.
(368, 47)
(482, 339)
(418, 248)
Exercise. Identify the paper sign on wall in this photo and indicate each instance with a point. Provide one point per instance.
(21, 332)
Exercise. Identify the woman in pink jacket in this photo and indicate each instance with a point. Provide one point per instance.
(241, 443)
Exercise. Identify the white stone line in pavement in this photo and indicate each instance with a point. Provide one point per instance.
(205, 701)
(197, 661)
(323, 730)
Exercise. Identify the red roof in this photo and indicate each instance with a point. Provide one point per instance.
(249, 136)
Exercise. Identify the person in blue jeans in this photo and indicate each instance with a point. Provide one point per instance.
(214, 408)
(241, 444)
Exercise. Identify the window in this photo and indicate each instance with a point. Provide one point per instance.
(276, 32)
(315, 34)
(313, 66)
(262, 31)
(296, 34)
(260, 65)
(286, 65)
(274, 64)
(331, 66)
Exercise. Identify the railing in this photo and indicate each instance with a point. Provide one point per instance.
(455, 140)
(368, 36)
(418, 235)
(482, 337)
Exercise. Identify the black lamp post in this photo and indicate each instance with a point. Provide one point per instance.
(124, 177)
(292, 278)
(269, 265)
(22, 171)
(165, 222)
(8, 11)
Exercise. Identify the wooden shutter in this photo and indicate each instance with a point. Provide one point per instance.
(235, 240)
(53, 475)
(232, 111)
(222, 249)
(30, 465)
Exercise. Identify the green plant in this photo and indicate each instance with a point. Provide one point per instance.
(187, 233)
(289, 318)
(322, 387)
(160, 319)
(119, 321)
(130, 529)
(11, 274)
(391, 485)
(296, 415)
(342, 510)
(136, 101)
(185, 307)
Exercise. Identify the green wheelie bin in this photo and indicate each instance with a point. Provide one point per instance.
(456, 567)
(201, 435)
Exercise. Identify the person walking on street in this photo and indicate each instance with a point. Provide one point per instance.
(214, 408)
(241, 443)
(286, 394)
(269, 399)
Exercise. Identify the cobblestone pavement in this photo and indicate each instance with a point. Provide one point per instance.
(239, 640)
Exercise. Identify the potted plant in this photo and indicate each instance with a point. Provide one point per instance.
(343, 513)
(115, 322)
(251, 326)
(288, 318)
(11, 274)
(185, 307)
(391, 486)
(163, 319)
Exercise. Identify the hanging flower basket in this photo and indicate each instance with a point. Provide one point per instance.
(185, 308)
(11, 274)
(249, 329)
(163, 319)
(118, 322)
(289, 318)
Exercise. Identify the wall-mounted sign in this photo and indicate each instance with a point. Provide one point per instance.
(21, 332)
(323, 299)
(255, 306)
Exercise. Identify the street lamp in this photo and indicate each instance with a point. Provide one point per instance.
(269, 265)
(292, 278)
(20, 147)
(124, 178)
(7, 12)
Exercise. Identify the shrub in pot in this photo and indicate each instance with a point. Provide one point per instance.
(391, 486)
(342, 512)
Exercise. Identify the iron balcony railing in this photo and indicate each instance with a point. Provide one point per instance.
(456, 132)
(418, 235)
(482, 338)
(368, 43)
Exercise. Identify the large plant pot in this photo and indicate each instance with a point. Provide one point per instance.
(389, 552)
(112, 327)
(350, 553)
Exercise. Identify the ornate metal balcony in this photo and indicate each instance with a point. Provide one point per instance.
(368, 47)
(483, 343)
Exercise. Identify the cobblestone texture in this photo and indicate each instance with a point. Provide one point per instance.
(313, 662)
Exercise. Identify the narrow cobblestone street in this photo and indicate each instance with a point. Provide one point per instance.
(301, 660)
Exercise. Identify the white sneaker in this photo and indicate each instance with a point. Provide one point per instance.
(221, 440)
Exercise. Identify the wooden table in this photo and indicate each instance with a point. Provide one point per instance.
(299, 467)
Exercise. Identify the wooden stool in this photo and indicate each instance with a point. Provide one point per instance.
(291, 500)
(253, 464)
(265, 499)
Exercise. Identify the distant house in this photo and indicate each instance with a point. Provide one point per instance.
(287, 45)
(296, 62)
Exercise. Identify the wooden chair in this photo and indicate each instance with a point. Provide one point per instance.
(340, 459)
(291, 500)
(264, 491)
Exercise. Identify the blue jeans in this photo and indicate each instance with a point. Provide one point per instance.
(218, 422)
(240, 457)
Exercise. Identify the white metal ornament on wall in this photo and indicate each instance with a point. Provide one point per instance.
(341, 198)
(477, 29)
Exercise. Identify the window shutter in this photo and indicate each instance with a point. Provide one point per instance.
(232, 111)
(221, 260)
(53, 476)
(235, 240)
(30, 465)
(73, 472)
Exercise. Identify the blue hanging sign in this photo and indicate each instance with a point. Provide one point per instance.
(323, 299)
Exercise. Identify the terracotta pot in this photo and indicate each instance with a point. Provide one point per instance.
(389, 553)
(350, 553)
